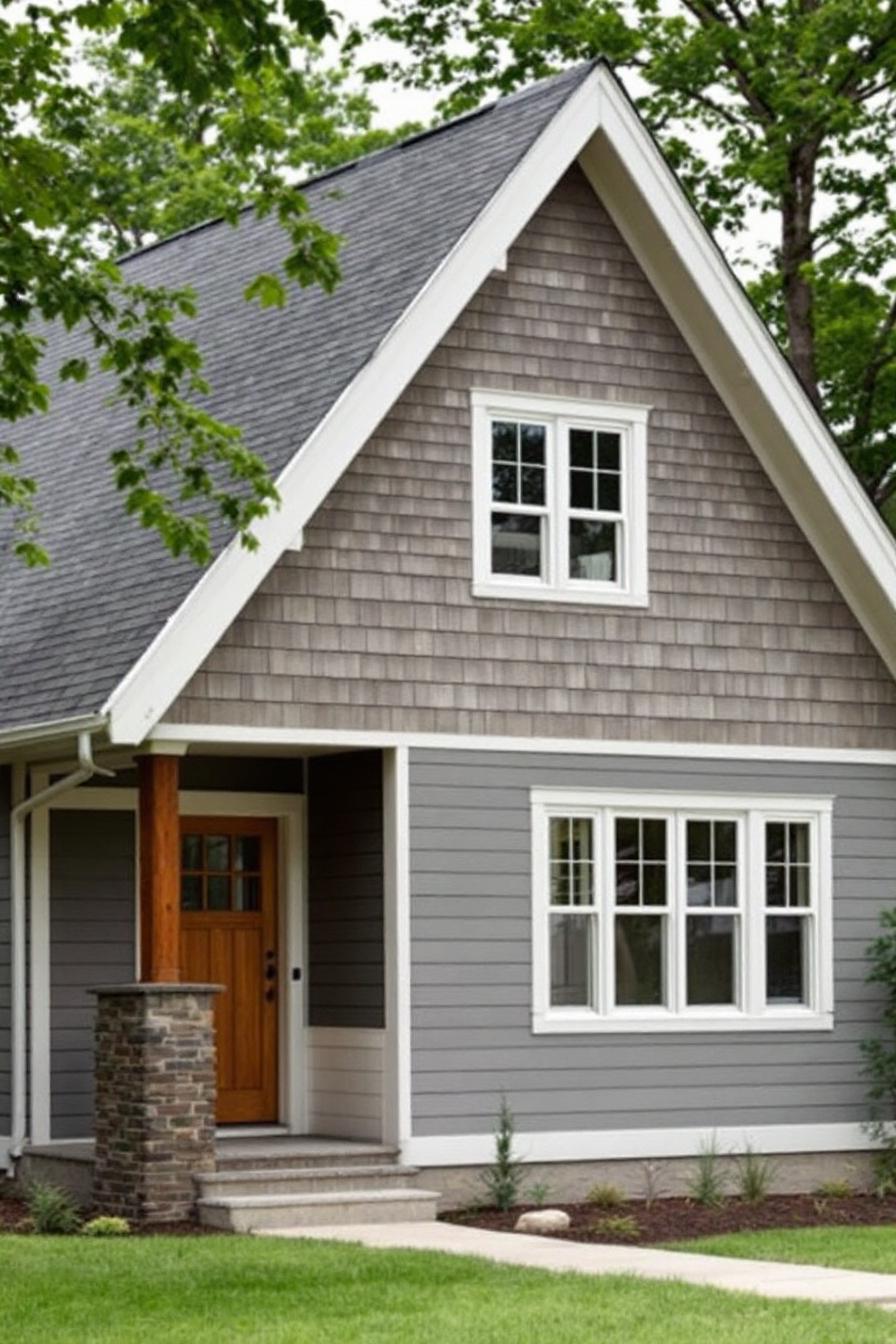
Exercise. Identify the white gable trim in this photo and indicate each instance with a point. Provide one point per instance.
(738, 354)
(139, 701)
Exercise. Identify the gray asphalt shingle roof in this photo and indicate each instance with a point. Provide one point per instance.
(69, 634)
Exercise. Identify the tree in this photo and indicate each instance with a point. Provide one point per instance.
(206, 65)
(783, 107)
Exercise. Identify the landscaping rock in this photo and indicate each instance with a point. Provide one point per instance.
(542, 1220)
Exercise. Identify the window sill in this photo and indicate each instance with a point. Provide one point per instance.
(579, 1023)
(591, 597)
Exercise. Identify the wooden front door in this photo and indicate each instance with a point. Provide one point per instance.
(229, 937)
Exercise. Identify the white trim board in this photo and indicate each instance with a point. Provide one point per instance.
(233, 735)
(595, 1145)
(598, 125)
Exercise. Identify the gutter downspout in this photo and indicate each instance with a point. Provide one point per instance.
(87, 768)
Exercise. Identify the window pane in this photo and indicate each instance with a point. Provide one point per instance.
(503, 441)
(581, 490)
(560, 886)
(504, 483)
(217, 852)
(710, 959)
(725, 887)
(627, 887)
(247, 853)
(608, 451)
(725, 841)
(592, 550)
(218, 893)
(699, 884)
(532, 481)
(247, 893)
(571, 961)
(698, 840)
(191, 851)
(799, 842)
(582, 884)
(654, 838)
(581, 448)
(580, 837)
(191, 893)
(654, 884)
(785, 959)
(608, 492)
(774, 842)
(627, 838)
(775, 884)
(532, 443)
(516, 544)
(640, 960)
(799, 886)
(559, 832)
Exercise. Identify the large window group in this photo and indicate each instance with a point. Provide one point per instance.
(676, 910)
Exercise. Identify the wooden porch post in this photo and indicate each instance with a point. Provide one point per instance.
(157, 784)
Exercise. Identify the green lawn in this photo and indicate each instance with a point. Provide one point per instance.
(221, 1290)
(842, 1247)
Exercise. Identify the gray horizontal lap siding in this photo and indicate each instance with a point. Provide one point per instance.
(5, 805)
(345, 897)
(471, 959)
(92, 922)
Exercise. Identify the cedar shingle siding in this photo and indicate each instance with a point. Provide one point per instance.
(373, 626)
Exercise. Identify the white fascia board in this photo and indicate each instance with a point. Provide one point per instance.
(159, 676)
(739, 355)
(461, 1150)
(239, 736)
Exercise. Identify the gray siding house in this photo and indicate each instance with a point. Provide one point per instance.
(545, 747)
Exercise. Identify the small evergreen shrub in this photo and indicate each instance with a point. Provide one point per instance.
(754, 1176)
(618, 1226)
(503, 1180)
(707, 1184)
(106, 1226)
(538, 1193)
(652, 1175)
(605, 1196)
(53, 1211)
(837, 1189)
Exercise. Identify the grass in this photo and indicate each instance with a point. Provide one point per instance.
(225, 1290)
(872, 1248)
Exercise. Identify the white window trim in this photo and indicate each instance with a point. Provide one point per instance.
(630, 421)
(752, 811)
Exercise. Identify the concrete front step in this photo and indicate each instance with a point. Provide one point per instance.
(303, 1180)
(255, 1213)
(275, 1153)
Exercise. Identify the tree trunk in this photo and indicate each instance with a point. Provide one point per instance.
(797, 250)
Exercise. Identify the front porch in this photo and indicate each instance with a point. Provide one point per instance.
(272, 876)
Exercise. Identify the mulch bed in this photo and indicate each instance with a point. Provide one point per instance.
(13, 1211)
(681, 1219)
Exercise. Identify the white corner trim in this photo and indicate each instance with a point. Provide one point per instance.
(225, 734)
(159, 676)
(464, 1150)
(397, 940)
(39, 969)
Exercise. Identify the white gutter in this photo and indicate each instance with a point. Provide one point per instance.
(87, 768)
(50, 729)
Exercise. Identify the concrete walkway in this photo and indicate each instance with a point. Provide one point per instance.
(768, 1278)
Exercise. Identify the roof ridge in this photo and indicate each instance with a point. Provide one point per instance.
(518, 95)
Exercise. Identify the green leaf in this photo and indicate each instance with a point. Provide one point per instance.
(267, 289)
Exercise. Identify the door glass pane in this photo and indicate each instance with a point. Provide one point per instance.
(640, 960)
(571, 961)
(516, 544)
(217, 852)
(592, 550)
(218, 893)
(785, 954)
(247, 853)
(191, 893)
(247, 893)
(191, 852)
(710, 959)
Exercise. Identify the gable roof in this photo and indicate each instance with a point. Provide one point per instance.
(426, 223)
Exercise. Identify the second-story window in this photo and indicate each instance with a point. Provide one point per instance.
(560, 509)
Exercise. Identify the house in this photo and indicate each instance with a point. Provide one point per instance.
(546, 745)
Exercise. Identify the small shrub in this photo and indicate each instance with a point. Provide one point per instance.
(503, 1180)
(106, 1227)
(618, 1226)
(654, 1186)
(54, 1211)
(605, 1196)
(880, 1056)
(835, 1189)
(707, 1185)
(754, 1176)
(538, 1193)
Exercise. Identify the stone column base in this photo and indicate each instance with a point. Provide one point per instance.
(155, 1098)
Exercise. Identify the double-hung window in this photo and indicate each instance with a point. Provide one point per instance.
(559, 499)
(680, 912)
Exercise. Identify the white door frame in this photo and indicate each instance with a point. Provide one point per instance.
(289, 809)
